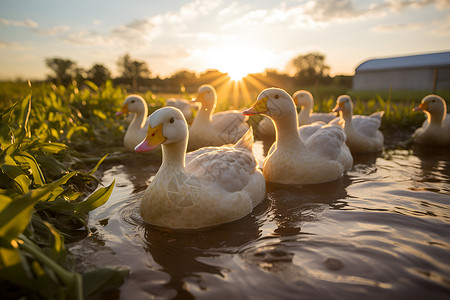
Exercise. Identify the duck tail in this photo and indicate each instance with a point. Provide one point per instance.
(246, 141)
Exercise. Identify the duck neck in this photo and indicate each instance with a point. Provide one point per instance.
(139, 119)
(204, 114)
(303, 116)
(173, 156)
(437, 118)
(287, 129)
(347, 117)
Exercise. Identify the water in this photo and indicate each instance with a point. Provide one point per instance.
(382, 231)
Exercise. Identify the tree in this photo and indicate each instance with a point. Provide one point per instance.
(310, 68)
(98, 74)
(64, 69)
(182, 78)
(132, 69)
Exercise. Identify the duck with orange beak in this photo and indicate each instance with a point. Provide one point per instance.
(435, 129)
(214, 129)
(206, 187)
(363, 134)
(322, 157)
(137, 129)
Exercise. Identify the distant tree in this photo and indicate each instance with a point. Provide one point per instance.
(182, 78)
(310, 68)
(79, 74)
(98, 74)
(64, 69)
(209, 76)
(133, 69)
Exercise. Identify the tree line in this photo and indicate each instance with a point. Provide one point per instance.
(307, 69)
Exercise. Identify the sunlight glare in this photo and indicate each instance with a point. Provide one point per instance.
(238, 61)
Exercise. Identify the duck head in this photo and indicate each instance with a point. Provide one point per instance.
(303, 98)
(344, 105)
(274, 103)
(207, 96)
(134, 104)
(167, 125)
(434, 106)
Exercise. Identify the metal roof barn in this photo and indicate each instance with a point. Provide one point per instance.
(416, 72)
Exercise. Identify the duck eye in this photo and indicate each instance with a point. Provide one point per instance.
(132, 101)
(171, 120)
(277, 96)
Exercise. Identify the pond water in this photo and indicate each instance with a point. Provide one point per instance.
(382, 231)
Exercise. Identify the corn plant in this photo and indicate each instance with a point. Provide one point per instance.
(41, 201)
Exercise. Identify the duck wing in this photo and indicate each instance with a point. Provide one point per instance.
(307, 131)
(231, 125)
(226, 167)
(368, 125)
(321, 117)
(327, 141)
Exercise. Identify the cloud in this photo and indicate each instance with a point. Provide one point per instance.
(16, 46)
(136, 31)
(397, 27)
(19, 23)
(139, 33)
(33, 26)
(441, 27)
(87, 38)
(51, 31)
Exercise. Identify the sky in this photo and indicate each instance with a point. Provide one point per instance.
(236, 37)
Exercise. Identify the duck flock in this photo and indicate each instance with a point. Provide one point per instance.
(219, 180)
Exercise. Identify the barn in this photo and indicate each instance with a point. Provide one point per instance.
(426, 72)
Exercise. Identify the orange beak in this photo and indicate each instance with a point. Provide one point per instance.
(260, 107)
(123, 111)
(153, 139)
(422, 106)
(338, 107)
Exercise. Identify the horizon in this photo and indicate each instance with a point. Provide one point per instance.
(236, 38)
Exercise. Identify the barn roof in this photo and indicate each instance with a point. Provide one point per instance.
(413, 61)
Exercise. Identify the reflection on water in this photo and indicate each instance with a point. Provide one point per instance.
(381, 231)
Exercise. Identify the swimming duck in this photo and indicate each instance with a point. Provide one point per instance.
(207, 187)
(322, 157)
(435, 129)
(363, 134)
(305, 100)
(137, 129)
(222, 128)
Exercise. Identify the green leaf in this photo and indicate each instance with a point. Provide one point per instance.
(11, 169)
(15, 269)
(102, 279)
(15, 215)
(51, 165)
(53, 148)
(36, 172)
(97, 165)
(91, 85)
(96, 199)
(71, 280)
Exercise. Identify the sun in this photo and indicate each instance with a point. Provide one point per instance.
(236, 74)
(237, 61)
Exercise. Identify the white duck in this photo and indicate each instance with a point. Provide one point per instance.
(222, 128)
(137, 129)
(186, 107)
(207, 187)
(436, 129)
(322, 157)
(363, 134)
(305, 100)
